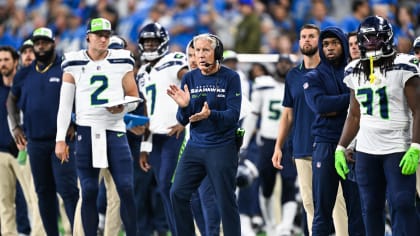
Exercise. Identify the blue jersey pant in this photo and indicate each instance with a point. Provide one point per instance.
(121, 169)
(378, 177)
(268, 172)
(204, 208)
(220, 164)
(149, 210)
(248, 200)
(164, 158)
(50, 177)
(324, 189)
(101, 200)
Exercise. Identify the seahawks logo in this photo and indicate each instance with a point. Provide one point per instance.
(415, 61)
(178, 56)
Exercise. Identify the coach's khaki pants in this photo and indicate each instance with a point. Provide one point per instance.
(304, 174)
(10, 171)
(112, 216)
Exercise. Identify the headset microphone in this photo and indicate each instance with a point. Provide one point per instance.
(207, 64)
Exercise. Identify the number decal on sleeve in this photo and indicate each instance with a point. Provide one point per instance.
(275, 109)
(103, 84)
(151, 93)
(368, 102)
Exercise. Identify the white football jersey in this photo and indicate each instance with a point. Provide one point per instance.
(98, 83)
(153, 83)
(385, 116)
(266, 98)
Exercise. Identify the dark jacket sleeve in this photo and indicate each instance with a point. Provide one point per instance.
(318, 98)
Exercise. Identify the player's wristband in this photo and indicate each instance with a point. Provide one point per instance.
(340, 148)
(415, 145)
(146, 147)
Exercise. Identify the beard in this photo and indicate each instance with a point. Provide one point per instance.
(46, 56)
(6, 72)
(281, 74)
(309, 51)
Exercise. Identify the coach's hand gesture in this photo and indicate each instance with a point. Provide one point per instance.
(181, 97)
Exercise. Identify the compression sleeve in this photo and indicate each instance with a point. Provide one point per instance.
(64, 110)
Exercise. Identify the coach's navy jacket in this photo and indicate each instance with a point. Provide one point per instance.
(326, 93)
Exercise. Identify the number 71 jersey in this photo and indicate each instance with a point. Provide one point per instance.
(98, 83)
(385, 117)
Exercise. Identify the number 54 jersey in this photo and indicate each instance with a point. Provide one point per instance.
(385, 117)
(98, 83)
(153, 82)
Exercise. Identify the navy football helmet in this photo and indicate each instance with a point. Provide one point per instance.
(117, 42)
(416, 43)
(375, 38)
(153, 31)
(246, 174)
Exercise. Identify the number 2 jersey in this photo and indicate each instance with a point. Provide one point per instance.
(385, 117)
(153, 83)
(98, 83)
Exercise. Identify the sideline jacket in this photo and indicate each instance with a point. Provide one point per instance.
(38, 96)
(6, 139)
(326, 93)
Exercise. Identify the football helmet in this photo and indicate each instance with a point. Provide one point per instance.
(153, 31)
(117, 42)
(416, 43)
(246, 174)
(375, 38)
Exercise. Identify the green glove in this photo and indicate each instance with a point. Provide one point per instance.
(340, 162)
(410, 161)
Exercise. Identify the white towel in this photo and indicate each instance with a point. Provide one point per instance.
(99, 152)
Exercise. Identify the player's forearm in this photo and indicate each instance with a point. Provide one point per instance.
(13, 111)
(286, 122)
(412, 93)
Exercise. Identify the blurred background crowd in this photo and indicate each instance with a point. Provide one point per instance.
(246, 26)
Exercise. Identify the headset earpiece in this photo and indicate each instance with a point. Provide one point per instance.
(218, 50)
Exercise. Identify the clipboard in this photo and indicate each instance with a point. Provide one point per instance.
(127, 100)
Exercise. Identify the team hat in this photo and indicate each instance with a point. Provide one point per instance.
(27, 44)
(98, 24)
(416, 43)
(42, 33)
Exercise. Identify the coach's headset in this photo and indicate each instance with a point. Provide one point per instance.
(218, 50)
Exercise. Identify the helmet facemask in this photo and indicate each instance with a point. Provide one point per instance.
(153, 31)
(375, 39)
